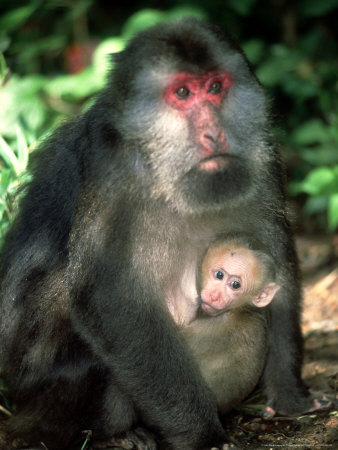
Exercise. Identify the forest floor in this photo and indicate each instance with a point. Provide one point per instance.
(319, 263)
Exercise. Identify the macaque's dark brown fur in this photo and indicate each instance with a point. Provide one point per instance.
(125, 200)
(231, 344)
(231, 350)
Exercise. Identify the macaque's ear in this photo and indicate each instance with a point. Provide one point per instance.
(266, 295)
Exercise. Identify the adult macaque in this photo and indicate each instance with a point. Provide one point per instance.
(124, 202)
(237, 280)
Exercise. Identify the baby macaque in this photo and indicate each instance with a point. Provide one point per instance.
(229, 337)
(234, 275)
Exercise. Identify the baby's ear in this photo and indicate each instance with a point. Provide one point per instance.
(266, 295)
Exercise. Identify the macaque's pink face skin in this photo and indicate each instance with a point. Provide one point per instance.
(230, 277)
(198, 98)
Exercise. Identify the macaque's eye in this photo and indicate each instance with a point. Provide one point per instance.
(182, 92)
(235, 285)
(215, 88)
(219, 274)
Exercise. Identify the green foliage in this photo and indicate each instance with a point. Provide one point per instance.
(322, 186)
(317, 142)
(316, 8)
(243, 7)
(149, 17)
(11, 176)
(22, 104)
(18, 16)
(306, 75)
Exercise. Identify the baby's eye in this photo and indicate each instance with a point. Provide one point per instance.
(235, 285)
(219, 274)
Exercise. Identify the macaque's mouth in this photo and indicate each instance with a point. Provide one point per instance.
(210, 310)
(215, 162)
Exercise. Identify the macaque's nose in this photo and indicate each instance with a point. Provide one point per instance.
(217, 300)
(214, 139)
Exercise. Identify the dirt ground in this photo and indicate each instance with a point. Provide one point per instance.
(319, 263)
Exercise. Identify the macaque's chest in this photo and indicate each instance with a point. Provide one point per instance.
(169, 253)
(181, 296)
(181, 286)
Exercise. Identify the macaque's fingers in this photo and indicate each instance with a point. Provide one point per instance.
(318, 405)
(321, 404)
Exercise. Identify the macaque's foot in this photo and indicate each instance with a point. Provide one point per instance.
(317, 405)
(139, 439)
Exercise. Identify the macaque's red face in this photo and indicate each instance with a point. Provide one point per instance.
(231, 277)
(198, 98)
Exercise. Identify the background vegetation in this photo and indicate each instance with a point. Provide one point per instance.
(53, 59)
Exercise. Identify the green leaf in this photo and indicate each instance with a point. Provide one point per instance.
(310, 132)
(183, 11)
(79, 8)
(333, 212)
(16, 17)
(315, 205)
(321, 155)
(43, 45)
(22, 98)
(74, 87)
(8, 156)
(3, 67)
(316, 8)
(279, 64)
(5, 180)
(254, 50)
(243, 7)
(321, 181)
(140, 21)
(148, 17)
(23, 150)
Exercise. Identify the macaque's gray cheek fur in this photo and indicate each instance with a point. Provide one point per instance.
(163, 135)
(245, 122)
